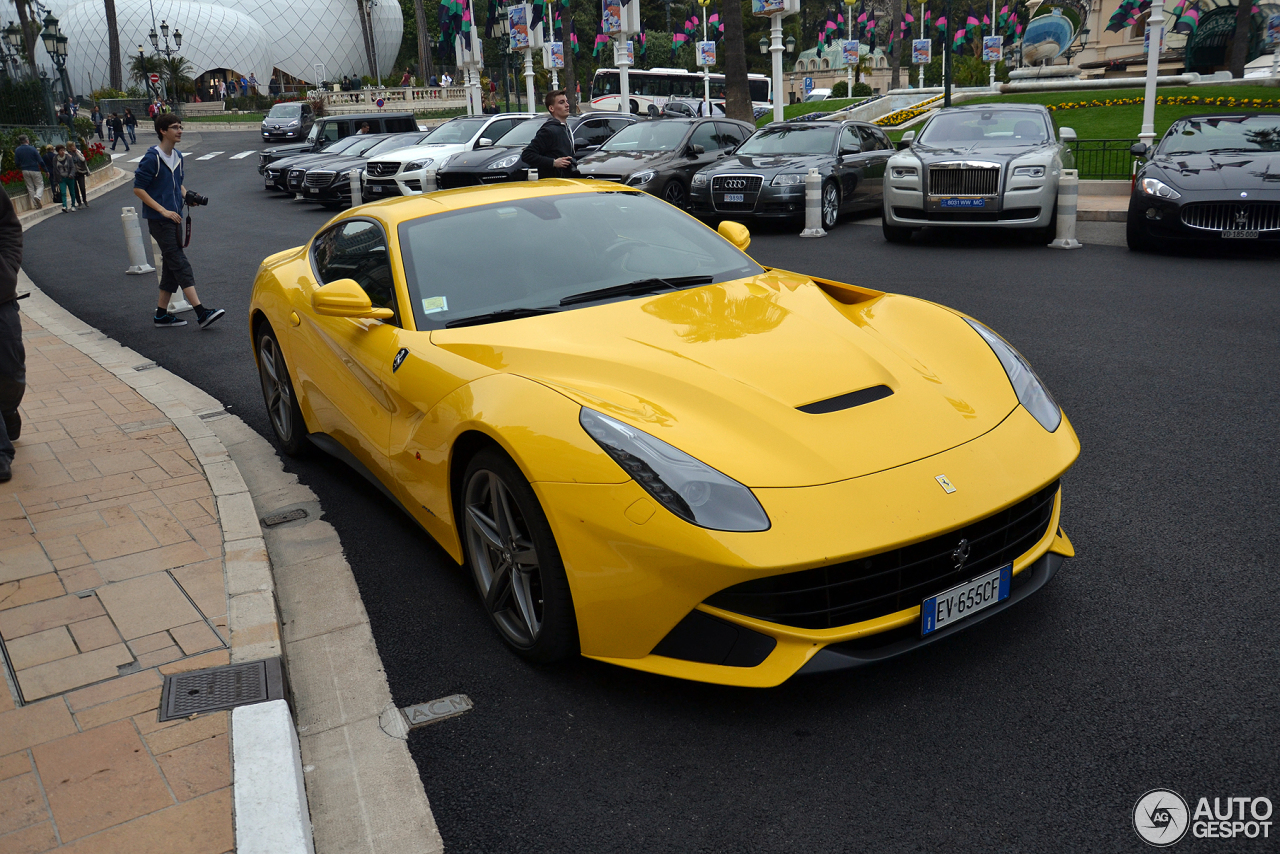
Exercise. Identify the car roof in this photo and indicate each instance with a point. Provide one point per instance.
(975, 108)
(366, 116)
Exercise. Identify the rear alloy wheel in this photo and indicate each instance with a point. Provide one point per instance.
(830, 205)
(277, 394)
(514, 560)
(674, 194)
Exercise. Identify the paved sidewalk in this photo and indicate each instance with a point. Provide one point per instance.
(1102, 208)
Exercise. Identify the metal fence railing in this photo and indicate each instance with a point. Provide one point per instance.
(1103, 159)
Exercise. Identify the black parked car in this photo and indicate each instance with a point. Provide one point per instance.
(330, 128)
(1211, 178)
(274, 173)
(661, 156)
(327, 180)
(765, 176)
(502, 162)
(288, 121)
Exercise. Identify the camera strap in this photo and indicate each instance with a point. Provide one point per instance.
(187, 239)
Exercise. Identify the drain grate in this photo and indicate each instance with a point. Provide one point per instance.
(280, 518)
(218, 688)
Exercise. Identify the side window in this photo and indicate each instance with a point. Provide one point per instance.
(615, 125)
(884, 143)
(330, 132)
(869, 141)
(731, 135)
(849, 139)
(705, 135)
(594, 132)
(400, 125)
(497, 129)
(357, 249)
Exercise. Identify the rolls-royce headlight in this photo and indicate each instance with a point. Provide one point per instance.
(1030, 390)
(506, 162)
(687, 487)
(904, 172)
(787, 180)
(1029, 172)
(1159, 189)
(699, 180)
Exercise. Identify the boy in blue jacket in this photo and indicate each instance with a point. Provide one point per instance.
(158, 184)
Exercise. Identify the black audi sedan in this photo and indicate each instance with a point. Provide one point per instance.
(327, 180)
(502, 162)
(662, 155)
(1211, 178)
(765, 176)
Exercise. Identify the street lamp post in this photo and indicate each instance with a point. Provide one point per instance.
(1155, 39)
(503, 29)
(774, 43)
(13, 49)
(166, 50)
(706, 69)
(55, 44)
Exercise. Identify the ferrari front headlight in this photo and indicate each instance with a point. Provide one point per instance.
(1031, 392)
(1159, 189)
(687, 487)
(506, 162)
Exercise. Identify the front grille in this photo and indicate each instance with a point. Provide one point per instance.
(1235, 216)
(295, 178)
(964, 181)
(451, 180)
(967, 215)
(872, 587)
(382, 170)
(747, 185)
(319, 178)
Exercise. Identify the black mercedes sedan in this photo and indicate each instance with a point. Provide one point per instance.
(765, 176)
(1211, 178)
(327, 180)
(501, 162)
(273, 174)
(661, 156)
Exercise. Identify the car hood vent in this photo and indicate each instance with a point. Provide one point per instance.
(847, 401)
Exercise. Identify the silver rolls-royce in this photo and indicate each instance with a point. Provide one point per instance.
(982, 165)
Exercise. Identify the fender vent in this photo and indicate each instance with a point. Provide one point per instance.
(847, 401)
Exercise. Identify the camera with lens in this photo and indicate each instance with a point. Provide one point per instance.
(194, 199)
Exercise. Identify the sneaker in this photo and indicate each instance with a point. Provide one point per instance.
(6, 470)
(13, 425)
(167, 320)
(208, 316)
(64, 210)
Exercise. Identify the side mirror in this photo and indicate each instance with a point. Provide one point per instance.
(1066, 135)
(695, 150)
(484, 142)
(344, 298)
(736, 233)
(1138, 149)
(906, 139)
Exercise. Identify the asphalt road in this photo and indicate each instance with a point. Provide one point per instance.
(1150, 661)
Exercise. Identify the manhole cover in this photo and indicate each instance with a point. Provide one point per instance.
(218, 688)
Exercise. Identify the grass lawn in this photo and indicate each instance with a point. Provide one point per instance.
(224, 118)
(791, 111)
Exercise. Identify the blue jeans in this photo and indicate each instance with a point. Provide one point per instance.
(118, 138)
(132, 138)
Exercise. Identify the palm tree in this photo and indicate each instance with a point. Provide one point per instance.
(113, 45)
(426, 67)
(177, 75)
(368, 39)
(30, 31)
(1238, 49)
(737, 94)
(141, 66)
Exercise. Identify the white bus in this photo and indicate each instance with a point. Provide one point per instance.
(657, 85)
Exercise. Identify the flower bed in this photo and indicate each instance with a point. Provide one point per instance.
(903, 116)
(1178, 100)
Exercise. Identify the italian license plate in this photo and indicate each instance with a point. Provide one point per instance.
(733, 197)
(1247, 235)
(964, 203)
(965, 599)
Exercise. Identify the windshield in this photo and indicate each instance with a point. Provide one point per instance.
(647, 136)
(285, 111)
(364, 143)
(1222, 134)
(615, 237)
(340, 145)
(791, 140)
(456, 130)
(984, 128)
(400, 140)
(522, 134)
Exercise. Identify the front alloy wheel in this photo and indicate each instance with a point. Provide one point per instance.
(277, 394)
(674, 194)
(830, 205)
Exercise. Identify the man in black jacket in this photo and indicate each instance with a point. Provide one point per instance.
(117, 127)
(13, 358)
(551, 151)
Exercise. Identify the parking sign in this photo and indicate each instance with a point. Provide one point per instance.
(808, 85)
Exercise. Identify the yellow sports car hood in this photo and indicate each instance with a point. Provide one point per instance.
(777, 381)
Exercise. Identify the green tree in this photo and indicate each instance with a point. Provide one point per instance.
(176, 72)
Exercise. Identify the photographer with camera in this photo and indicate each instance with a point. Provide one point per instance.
(158, 182)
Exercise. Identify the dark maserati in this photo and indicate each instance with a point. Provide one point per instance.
(1211, 178)
(765, 176)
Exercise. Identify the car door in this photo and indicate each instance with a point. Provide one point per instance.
(341, 374)
(704, 134)
(731, 135)
(878, 151)
(496, 129)
(851, 168)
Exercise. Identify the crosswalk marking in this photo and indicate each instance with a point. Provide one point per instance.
(240, 155)
(209, 156)
(137, 159)
(115, 156)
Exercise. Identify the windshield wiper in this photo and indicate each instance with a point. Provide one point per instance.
(500, 314)
(640, 286)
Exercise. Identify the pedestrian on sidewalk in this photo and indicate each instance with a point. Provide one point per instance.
(131, 122)
(64, 169)
(82, 174)
(117, 129)
(158, 182)
(96, 118)
(13, 357)
(48, 155)
(27, 159)
(222, 90)
(253, 85)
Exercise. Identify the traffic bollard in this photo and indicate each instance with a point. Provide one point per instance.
(533, 174)
(1068, 194)
(429, 184)
(177, 302)
(133, 242)
(356, 198)
(813, 205)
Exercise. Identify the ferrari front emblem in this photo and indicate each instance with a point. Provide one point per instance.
(960, 554)
(946, 484)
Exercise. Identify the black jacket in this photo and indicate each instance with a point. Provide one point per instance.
(552, 142)
(10, 249)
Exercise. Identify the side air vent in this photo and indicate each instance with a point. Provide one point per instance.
(847, 401)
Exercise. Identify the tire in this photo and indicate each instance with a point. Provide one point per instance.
(830, 205)
(1135, 233)
(278, 395)
(1045, 234)
(514, 560)
(896, 233)
(675, 195)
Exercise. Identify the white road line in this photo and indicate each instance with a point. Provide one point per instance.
(115, 156)
(240, 155)
(209, 156)
(137, 159)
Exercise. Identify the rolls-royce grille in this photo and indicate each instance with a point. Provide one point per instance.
(295, 178)
(382, 170)
(968, 181)
(318, 178)
(746, 186)
(871, 587)
(1234, 216)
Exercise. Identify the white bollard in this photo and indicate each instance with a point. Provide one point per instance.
(177, 302)
(356, 199)
(533, 174)
(1068, 194)
(429, 184)
(133, 242)
(813, 205)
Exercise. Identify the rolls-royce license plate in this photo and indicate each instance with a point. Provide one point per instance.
(965, 599)
(733, 197)
(1247, 235)
(964, 203)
